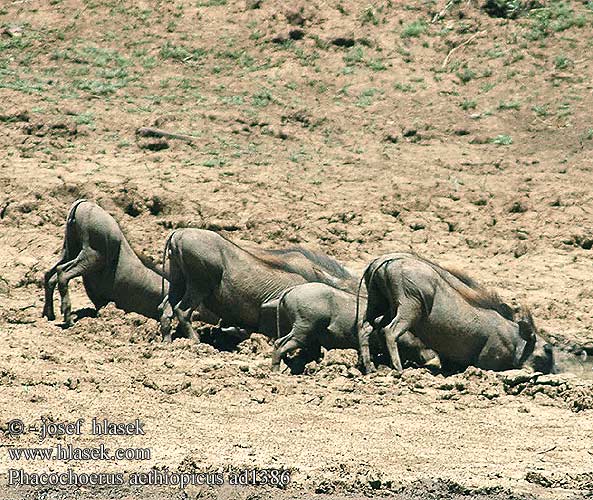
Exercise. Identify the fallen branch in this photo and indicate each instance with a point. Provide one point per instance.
(439, 15)
(155, 132)
(547, 450)
(460, 46)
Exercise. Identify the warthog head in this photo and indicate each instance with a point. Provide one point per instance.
(537, 354)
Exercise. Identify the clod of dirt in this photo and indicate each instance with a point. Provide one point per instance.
(301, 116)
(277, 132)
(159, 204)
(580, 398)
(512, 378)
(6, 376)
(154, 144)
(346, 357)
(392, 137)
(296, 17)
(585, 242)
(582, 481)
(409, 132)
(537, 478)
(15, 116)
(130, 201)
(72, 384)
(479, 139)
(220, 225)
(451, 490)
(518, 207)
(506, 9)
(13, 31)
(255, 344)
(325, 487)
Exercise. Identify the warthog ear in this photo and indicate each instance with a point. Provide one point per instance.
(526, 330)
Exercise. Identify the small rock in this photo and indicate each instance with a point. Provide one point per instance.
(409, 132)
(520, 249)
(258, 398)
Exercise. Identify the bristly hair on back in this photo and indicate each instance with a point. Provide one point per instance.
(327, 263)
(274, 258)
(472, 291)
(481, 296)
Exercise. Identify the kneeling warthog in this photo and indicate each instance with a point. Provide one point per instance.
(232, 282)
(96, 249)
(451, 314)
(322, 316)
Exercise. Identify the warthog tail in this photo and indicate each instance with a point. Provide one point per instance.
(162, 271)
(69, 221)
(280, 299)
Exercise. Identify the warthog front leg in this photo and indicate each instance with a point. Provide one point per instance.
(50, 282)
(86, 261)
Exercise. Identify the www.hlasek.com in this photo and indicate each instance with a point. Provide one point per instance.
(68, 453)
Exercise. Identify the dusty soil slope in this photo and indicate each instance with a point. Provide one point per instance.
(356, 128)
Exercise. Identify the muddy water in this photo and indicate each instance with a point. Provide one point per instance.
(581, 366)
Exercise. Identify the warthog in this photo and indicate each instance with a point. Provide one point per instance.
(95, 248)
(322, 316)
(232, 282)
(451, 314)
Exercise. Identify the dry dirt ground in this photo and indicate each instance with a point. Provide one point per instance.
(356, 128)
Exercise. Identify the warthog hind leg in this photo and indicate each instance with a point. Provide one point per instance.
(183, 311)
(407, 314)
(166, 316)
(364, 332)
(86, 261)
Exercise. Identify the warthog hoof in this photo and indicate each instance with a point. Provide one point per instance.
(50, 315)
